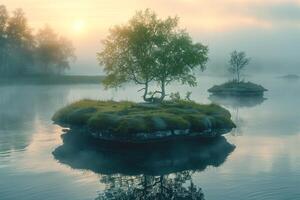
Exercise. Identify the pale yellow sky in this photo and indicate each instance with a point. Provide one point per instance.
(99, 15)
(86, 22)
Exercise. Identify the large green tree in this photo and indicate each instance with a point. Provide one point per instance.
(151, 50)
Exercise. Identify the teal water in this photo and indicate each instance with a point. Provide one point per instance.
(259, 160)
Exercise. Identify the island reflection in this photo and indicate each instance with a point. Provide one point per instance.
(235, 103)
(144, 171)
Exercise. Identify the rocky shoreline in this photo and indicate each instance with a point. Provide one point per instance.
(156, 136)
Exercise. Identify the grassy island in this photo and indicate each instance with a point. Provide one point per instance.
(148, 51)
(291, 77)
(129, 121)
(238, 88)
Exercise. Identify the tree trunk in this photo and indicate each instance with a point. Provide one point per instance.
(238, 76)
(146, 93)
(163, 90)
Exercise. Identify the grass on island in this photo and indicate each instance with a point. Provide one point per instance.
(291, 76)
(233, 87)
(51, 80)
(130, 118)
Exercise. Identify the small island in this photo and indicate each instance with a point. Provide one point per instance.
(237, 87)
(291, 77)
(138, 122)
(156, 57)
(233, 88)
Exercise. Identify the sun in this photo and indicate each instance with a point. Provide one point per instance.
(79, 26)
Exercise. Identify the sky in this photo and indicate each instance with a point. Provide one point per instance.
(267, 30)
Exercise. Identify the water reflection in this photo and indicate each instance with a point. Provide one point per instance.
(237, 101)
(147, 171)
(264, 166)
(21, 108)
(177, 186)
(234, 103)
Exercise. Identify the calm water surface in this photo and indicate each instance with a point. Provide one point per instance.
(258, 160)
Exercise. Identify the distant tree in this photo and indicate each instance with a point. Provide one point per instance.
(148, 49)
(20, 43)
(238, 61)
(22, 52)
(3, 38)
(53, 53)
(3, 20)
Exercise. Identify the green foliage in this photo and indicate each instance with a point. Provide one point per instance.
(129, 118)
(22, 52)
(108, 121)
(175, 96)
(128, 50)
(188, 96)
(177, 57)
(149, 49)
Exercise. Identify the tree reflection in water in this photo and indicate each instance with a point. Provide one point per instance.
(175, 186)
(144, 171)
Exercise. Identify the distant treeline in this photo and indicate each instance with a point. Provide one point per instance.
(51, 80)
(23, 52)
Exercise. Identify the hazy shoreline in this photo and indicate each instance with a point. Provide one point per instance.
(51, 80)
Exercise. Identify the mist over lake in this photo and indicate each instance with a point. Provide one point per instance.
(149, 100)
(263, 165)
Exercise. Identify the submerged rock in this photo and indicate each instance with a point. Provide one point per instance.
(135, 122)
(238, 89)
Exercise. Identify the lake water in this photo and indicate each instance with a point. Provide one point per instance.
(260, 160)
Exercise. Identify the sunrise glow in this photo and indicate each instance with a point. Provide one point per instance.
(79, 26)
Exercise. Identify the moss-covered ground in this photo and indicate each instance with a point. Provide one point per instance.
(131, 118)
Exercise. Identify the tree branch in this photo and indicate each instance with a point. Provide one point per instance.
(141, 89)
